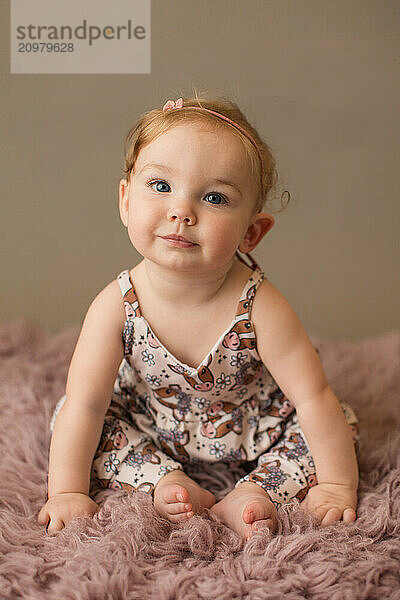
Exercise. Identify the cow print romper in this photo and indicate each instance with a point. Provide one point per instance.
(164, 414)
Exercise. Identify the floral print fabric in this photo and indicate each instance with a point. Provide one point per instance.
(164, 414)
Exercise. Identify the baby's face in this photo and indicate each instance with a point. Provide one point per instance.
(193, 182)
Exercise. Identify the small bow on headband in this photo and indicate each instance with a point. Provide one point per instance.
(171, 104)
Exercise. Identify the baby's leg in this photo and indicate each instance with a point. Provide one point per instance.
(285, 472)
(128, 459)
(278, 477)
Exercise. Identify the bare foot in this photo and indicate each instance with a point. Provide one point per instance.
(247, 508)
(177, 497)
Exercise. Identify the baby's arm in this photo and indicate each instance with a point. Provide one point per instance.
(287, 352)
(93, 369)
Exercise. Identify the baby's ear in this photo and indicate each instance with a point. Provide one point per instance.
(261, 224)
(123, 194)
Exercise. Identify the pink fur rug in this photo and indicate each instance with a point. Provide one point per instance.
(128, 551)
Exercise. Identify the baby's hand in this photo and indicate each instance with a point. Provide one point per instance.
(331, 502)
(61, 508)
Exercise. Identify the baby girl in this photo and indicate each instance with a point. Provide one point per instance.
(193, 356)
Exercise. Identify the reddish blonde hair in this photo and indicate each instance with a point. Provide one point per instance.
(155, 122)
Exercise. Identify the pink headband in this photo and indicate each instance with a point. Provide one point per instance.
(170, 104)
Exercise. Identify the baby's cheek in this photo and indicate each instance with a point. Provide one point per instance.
(138, 231)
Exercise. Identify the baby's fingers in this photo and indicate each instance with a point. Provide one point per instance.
(349, 515)
(335, 514)
(56, 524)
(43, 516)
(332, 516)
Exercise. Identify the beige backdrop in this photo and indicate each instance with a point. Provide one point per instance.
(318, 78)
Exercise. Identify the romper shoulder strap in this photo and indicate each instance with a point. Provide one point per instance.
(249, 291)
(131, 303)
(132, 310)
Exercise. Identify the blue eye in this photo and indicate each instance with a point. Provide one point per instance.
(158, 182)
(218, 197)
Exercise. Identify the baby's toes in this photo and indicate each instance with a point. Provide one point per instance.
(175, 493)
(253, 511)
(271, 523)
(258, 510)
(179, 508)
(178, 511)
(260, 514)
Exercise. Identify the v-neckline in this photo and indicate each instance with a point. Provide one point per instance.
(185, 366)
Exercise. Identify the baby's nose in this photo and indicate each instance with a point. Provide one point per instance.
(184, 214)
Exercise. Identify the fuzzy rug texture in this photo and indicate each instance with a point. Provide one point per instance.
(128, 551)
